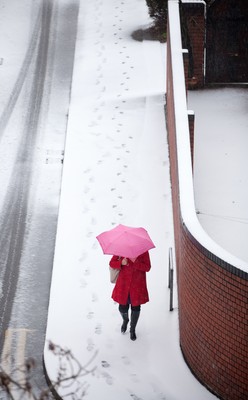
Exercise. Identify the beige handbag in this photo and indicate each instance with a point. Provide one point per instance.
(114, 273)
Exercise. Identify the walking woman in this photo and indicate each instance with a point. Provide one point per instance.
(130, 288)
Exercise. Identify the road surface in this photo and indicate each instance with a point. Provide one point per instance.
(36, 65)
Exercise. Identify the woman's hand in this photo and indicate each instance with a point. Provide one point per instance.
(124, 261)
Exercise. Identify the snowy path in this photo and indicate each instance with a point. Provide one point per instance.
(116, 170)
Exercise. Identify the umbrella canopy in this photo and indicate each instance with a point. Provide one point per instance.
(125, 241)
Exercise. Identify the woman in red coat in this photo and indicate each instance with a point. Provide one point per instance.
(130, 288)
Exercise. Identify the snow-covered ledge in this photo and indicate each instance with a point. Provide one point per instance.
(186, 189)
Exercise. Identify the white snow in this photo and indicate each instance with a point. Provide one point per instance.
(116, 170)
(220, 166)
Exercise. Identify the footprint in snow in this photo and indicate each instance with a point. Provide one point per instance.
(105, 364)
(125, 360)
(98, 329)
(95, 245)
(90, 345)
(108, 378)
(90, 315)
(87, 272)
(133, 395)
(83, 257)
(93, 221)
(94, 297)
(85, 210)
(83, 283)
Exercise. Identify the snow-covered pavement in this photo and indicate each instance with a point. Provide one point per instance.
(116, 170)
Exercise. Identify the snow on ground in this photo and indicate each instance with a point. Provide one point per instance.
(220, 172)
(116, 170)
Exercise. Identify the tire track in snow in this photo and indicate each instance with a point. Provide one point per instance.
(22, 74)
(14, 213)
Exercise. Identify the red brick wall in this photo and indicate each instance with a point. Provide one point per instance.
(213, 319)
(212, 294)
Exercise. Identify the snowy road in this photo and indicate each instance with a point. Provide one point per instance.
(37, 43)
(15, 206)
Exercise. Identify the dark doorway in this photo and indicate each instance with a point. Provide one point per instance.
(227, 42)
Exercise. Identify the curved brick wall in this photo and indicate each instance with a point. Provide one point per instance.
(212, 285)
(213, 319)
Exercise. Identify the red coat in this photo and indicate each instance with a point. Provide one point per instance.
(131, 280)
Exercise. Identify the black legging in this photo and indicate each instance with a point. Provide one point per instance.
(124, 308)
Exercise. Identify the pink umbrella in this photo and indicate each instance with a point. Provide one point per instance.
(125, 241)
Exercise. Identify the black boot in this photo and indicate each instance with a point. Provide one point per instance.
(125, 322)
(134, 320)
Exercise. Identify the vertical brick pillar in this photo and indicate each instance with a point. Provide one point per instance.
(194, 18)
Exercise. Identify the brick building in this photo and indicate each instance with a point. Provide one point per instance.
(212, 284)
